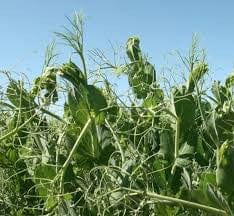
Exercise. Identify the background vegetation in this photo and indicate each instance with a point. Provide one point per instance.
(162, 151)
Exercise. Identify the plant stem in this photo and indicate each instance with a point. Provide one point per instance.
(52, 114)
(117, 141)
(14, 131)
(177, 137)
(84, 66)
(67, 162)
(179, 201)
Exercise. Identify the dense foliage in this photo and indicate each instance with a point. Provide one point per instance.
(159, 153)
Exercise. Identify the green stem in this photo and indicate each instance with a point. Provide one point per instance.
(177, 137)
(179, 201)
(117, 141)
(67, 162)
(14, 131)
(84, 66)
(52, 114)
(203, 117)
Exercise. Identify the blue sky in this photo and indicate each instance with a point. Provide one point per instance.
(27, 27)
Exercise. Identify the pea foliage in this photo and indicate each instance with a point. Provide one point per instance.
(161, 153)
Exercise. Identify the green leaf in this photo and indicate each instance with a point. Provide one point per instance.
(230, 81)
(185, 107)
(97, 102)
(225, 167)
(159, 174)
(216, 198)
(44, 175)
(194, 77)
(78, 107)
(166, 144)
(71, 72)
(185, 110)
(220, 92)
(51, 201)
(220, 126)
(133, 48)
(18, 96)
(47, 82)
(154, 98)
(89, 150)
(141, 76)
(12, 155)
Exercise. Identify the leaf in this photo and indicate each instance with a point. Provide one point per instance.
(78, 107)
(220, 126)
(166, 144)
(154, 98)
(133, 48)
(4, 162)
(194, 77)
(141, 76)
(182, 163)
(47, 82)
(230, 81)
(51, 201)
(18, 96)
(187, 179)
(217, 199)
(159, 174)
(12, 155)
(115, 197)
(199, 196)
(71, 72)
(89, 150)
(225, 167)
(97, 102)
(106, 144)
(43, 177)
(206, 178)
(220, 92)
(185, 107)
(86, 102)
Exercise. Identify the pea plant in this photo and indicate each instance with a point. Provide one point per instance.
(160, 152)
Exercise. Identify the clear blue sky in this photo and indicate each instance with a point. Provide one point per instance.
(27, 26)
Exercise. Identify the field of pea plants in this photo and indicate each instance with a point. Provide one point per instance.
(165, 148)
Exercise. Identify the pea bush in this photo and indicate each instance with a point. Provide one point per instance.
(160, 152)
